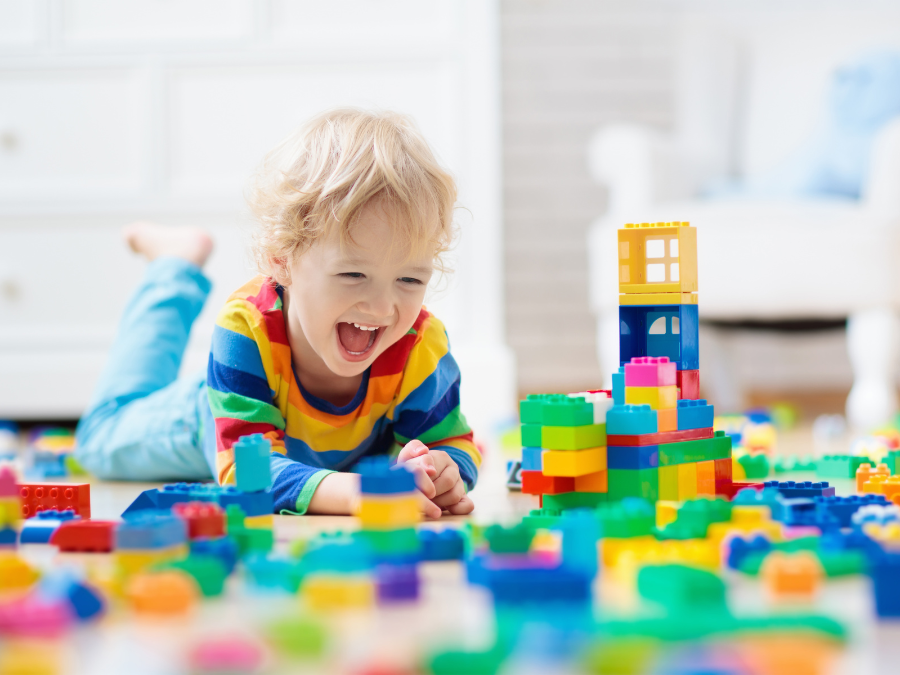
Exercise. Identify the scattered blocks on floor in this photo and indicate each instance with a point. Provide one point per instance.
(252, 457)
(40, 529)
(84, 536)
(55, 496)
(791, 489)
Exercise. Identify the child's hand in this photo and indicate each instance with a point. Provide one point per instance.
(437, 477)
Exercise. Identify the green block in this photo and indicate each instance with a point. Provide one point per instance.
(678, 587)
(556, 410)
(516, 539)
(624, 520)
(755, 466)
(391, 541)
(542, 518)
(252, 539)
(208, 572)
(701, 450)
(531, 435)
(891, 461)
(573, 438)
(793, 465)
(633, 483)
(574, 500)
(840, 466)
(624, 655)
(472, 663)
(694, 518)
(298, 636)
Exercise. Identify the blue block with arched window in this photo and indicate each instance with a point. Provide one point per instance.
(659, 330)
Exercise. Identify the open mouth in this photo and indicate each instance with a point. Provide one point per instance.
(357, 341)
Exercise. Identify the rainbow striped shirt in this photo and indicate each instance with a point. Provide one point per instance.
(411, 391)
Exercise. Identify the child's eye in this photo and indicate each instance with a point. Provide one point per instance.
(352, 275)
(410, 280)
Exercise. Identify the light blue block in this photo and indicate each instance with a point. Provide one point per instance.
(251, 463)
(531, 459)
(694, 414)
(618, 388)
(149, 530)
(630, 420)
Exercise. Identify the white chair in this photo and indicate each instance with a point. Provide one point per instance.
(749, 87)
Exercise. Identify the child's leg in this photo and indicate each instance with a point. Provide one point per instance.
(142, 424)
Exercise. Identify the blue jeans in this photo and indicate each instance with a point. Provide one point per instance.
(144, 423)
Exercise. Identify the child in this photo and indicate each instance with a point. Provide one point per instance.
(329, 352)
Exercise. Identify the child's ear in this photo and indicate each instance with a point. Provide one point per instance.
(281, 271)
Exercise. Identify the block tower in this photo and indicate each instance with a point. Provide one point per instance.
(653, 438)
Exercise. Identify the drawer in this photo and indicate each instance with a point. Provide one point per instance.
(67, 134)
(105, 21)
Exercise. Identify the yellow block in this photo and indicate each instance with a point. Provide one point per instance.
(16, 573)
(668, 482)
(658, 258)
(592, 482)
(129, 562)
(658, 398)
(687, 481)
(640, 551)
(573, 463)
(395, 512)
(666, 511)
(265, 522)
(10, 511)
(337, 591)
(737, 470)
(658, 299)
(611, 548)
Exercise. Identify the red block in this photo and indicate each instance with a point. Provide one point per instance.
(730, 489)
(659, 438)
(688, 383)
(536, 483)
(203, 519)
(92, 536)
(723, 469)
(38, 497)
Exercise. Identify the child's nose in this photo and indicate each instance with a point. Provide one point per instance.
(378, 305)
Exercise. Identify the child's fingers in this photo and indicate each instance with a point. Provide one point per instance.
(452, 496)
(411, 450)
(427, 463)
(423, 482)
(428, 507)
(448, 478)
(464, 506)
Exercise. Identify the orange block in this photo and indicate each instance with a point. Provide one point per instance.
(168, 592)
(667, 419)
(862, 475)
(791, 574)
(706, 479)
(592, 482)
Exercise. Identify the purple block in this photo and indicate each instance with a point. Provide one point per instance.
(397, 583)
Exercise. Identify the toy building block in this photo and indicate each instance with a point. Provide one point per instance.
(574, 463)
(863, 473)
(377, 476)
(531, 435)
(702, 450)
(658, 299)
(754, 466)
(791, 489)
(150, 530)
(391, 512)
(660, 330)
(875, 484)
(794, 464)
(600, 399)
(39, 529)
(632, 457)
(706, 478)
(516, 539)
(573, 438)
(618, 387)
(668, 483)
(658, 398)
(839, 466)
(556, 410)
(843, 508)
(223, 549)
(536, 483)
(649, 371)
(252, 455)
(688, 383)
(531, 459)
(729, 489)
(890, 488)
(687, 481)
(84, 536)
(667, 420)
(445, 544)
(9, 536)
(657, 258)
(592, 482)
(8, 485)
(530, 408)
(162, 593)
(397, 583)
(885, 573)
(631, 420)
(629, 483)
(694, 414)
(324, 591)
(203, 519)
(574, 500)
(207, 571)
(659, 437)
(797, 574)
(44, 496)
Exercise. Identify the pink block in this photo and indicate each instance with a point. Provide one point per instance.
(650, 371)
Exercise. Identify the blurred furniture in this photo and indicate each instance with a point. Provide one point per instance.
(749, 87)
(111, 112)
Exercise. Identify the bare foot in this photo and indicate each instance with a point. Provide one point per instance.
(152, 240)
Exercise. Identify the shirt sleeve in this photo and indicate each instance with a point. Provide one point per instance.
(241, 386)
(428, 407)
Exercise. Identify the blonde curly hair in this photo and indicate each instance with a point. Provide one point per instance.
(322, 176)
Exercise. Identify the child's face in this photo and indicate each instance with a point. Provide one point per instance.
(337, 294)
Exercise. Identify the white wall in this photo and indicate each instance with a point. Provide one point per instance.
(113, 111)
